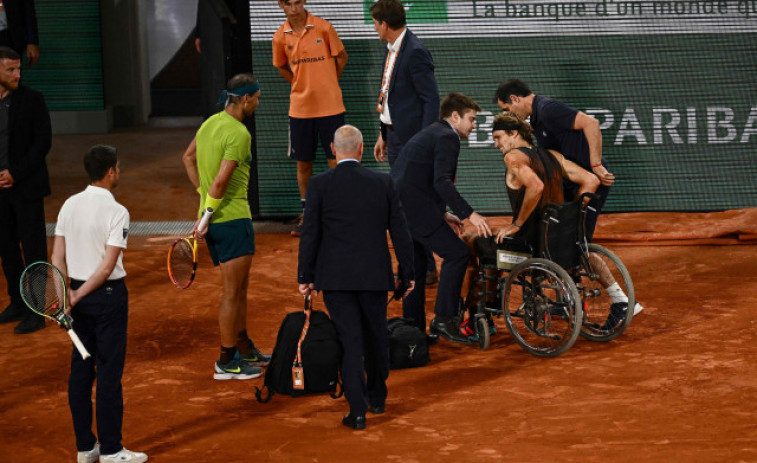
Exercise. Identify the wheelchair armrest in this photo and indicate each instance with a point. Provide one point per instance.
(486, 248)
(585, 204)
(517, 243)
(591, 196)
(549, 212)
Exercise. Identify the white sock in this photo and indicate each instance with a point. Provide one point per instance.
(616, 293)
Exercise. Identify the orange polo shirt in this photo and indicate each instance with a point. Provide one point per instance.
(315, 87)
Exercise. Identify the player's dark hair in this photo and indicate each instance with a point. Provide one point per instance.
(457, 102)
(9, 53)
(511, 87)
(98, 160)
(239, 81)
(389, 11)
(511, 122)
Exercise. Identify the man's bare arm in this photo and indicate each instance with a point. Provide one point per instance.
(341, 62)
(286, 73)
(190, 163)
(590, 127)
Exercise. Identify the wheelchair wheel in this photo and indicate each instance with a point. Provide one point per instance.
(542, 307)
(482, 328)
(603, 320)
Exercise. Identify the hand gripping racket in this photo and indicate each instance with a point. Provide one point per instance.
(43, 290)
(182, 256)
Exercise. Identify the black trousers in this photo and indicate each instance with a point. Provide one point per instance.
(455, 254)
(23, 241)
(393, 150)
(360, 320)
(100, 320)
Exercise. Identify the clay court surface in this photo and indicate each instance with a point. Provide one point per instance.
(679, 386)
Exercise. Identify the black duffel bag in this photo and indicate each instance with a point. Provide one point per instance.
(408, 347)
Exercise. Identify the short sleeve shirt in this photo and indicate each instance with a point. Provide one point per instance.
(90, 221)
(553, 127)
(315, 87)
(222, 137)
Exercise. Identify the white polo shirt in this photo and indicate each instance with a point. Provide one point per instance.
(90, 221)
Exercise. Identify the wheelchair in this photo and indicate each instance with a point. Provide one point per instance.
(550, 288)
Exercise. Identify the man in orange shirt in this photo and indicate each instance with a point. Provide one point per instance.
(309, 54)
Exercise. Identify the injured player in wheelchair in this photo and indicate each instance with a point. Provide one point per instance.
(533, 179)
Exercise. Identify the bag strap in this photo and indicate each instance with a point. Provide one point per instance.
(305, 328)
(340, 388)
(259, 394)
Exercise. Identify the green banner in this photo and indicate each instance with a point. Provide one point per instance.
(675, 96)
(416, 12)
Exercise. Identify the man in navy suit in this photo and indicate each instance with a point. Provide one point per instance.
(425, 176)
(409, 96)
(344, 253)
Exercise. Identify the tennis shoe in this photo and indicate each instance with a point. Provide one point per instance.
(467, 328)
(236, 369)
(125, 455)
(637, 308)
(297, 230)
(254, 358)
(92, 456)
(617, 315)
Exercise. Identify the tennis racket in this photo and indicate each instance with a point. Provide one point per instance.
(43, 290)
(182, 256)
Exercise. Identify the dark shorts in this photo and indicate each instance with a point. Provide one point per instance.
(305, 133)
(229, 240)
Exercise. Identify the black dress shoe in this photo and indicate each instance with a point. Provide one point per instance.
(30, 324)
(377, 409)
(353, 421)
(432, 339)
(12, 313)
(448, 330)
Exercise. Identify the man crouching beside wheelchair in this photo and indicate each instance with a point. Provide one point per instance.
(533, 179)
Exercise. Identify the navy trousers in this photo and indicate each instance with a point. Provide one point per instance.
(360, 320)
(455, 254)
(100, 320)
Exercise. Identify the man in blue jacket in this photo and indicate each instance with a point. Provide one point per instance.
(425, 176)
(409, 96)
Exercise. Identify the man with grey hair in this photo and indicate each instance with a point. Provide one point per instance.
(344, 253)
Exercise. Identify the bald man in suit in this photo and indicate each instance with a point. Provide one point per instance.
(344, 253)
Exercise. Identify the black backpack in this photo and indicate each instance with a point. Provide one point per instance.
(408, 347)
(321, 354)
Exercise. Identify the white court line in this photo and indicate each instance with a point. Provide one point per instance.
(178, 228)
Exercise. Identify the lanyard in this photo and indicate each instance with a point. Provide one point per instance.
(298, 374)
(384, 92)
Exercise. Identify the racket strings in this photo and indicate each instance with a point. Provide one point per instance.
(43, 289)
(181, 263)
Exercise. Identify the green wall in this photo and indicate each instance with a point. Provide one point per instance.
(69, 72)
(707, 161)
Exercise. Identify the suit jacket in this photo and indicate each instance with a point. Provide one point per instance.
(343, 244)
(22, 24)
(413, 92)
(29, 140)
(425, 176)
